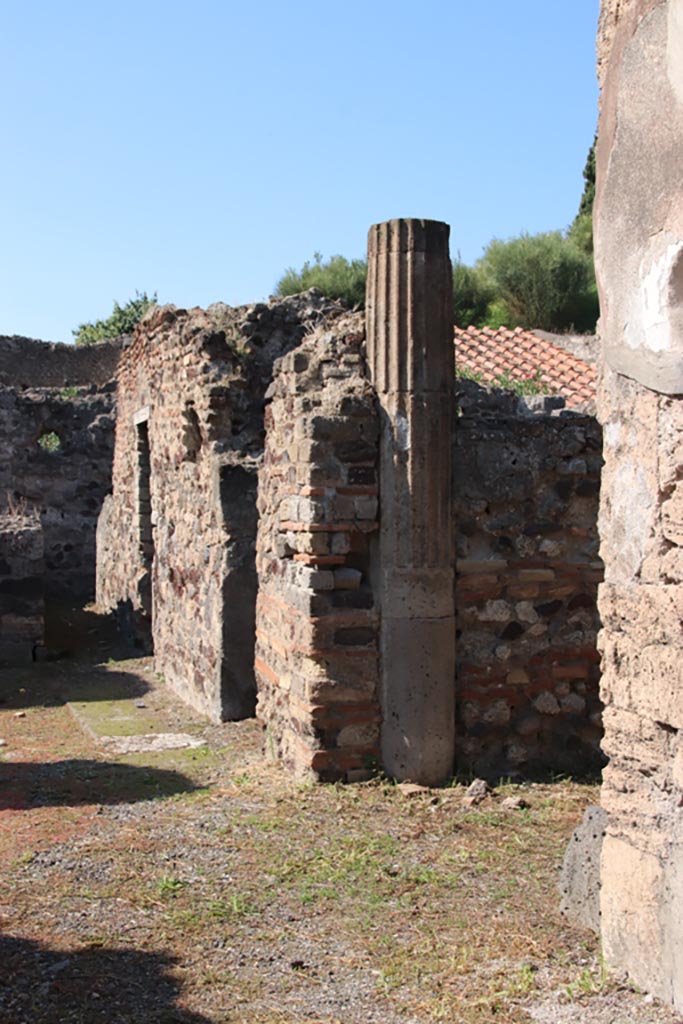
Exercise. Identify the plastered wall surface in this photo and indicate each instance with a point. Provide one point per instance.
(639, 242)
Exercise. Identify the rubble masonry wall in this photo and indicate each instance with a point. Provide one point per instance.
(21, 587)
(58, 431)
(176, 539)
(526, 489)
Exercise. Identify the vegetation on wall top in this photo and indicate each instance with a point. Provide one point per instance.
(544, 281)
(122, 320)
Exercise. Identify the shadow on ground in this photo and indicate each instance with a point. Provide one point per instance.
(51, 686)
(116, 986)
(24, 785)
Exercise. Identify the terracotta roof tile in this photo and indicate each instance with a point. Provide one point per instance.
(522, 355)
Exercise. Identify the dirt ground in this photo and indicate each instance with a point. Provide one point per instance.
(201, 885)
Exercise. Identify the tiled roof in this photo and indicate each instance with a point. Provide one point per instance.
(520, 355)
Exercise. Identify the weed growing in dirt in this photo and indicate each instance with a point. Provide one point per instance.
(170, 886)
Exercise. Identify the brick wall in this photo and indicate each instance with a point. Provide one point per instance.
(317, 622)
(176, 537)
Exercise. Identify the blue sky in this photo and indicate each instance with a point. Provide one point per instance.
(198, 149)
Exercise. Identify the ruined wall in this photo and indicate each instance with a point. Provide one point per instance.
(27, 363)
(317, 621)
(58, 437)
(176, 537)
(65, 484)
(639, 254)
(526, 503)
(21, 587)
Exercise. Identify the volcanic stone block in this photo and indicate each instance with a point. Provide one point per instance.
(410, 354)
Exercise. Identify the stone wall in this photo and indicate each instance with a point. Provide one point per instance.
(526, 500)
(638, 229)
(27, 363)
(175, 546)
(57, 455)
(641, 604)
(21, 587)
(317, 621)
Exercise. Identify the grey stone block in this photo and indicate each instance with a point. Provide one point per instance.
(580, 878)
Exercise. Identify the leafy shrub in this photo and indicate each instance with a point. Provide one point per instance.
(337, 278)
(581, 232)
(50, 442)
(122, 320)
(472, 295)
(544, 281)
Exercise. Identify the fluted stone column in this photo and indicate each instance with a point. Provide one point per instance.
(411, 357)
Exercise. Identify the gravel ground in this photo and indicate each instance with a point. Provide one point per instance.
(202, 885)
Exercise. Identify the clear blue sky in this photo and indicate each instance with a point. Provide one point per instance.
(197, 149)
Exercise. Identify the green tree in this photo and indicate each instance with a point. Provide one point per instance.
(122, 320)
(472, 295)
(588, 197)
(338, 278)
(544, 281)
(581, 230)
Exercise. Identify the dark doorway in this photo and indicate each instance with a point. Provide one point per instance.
(144, 512)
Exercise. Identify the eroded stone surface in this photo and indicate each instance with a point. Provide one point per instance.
(639, 256)
(411, 361)
(580, 878)
(21, 587)
(176, 539)
(57, 407)
(317, 617)
(525, 529)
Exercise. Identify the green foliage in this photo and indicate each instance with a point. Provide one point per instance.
(122, 320)
(337, 278)
(588, 197)
(544, 281)
(504, 382)
(581, 232)
(472, 295)
(50, 442)
(168, 885)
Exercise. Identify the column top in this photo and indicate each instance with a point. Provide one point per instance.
(409, 234)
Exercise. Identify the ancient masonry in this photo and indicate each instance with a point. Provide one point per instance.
(527, 479)
(290, 488)
(317, 620)
(411, 362)
(175, 542)
(57, 408)
(638, 223)
(292, 492)
(22, 569)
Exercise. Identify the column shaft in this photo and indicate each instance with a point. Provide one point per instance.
(410, 353)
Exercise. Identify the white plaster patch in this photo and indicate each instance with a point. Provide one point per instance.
(632, 519)
(612, 433)
(674, 47)
(402, 433)
(652, 323)
(150, 741)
